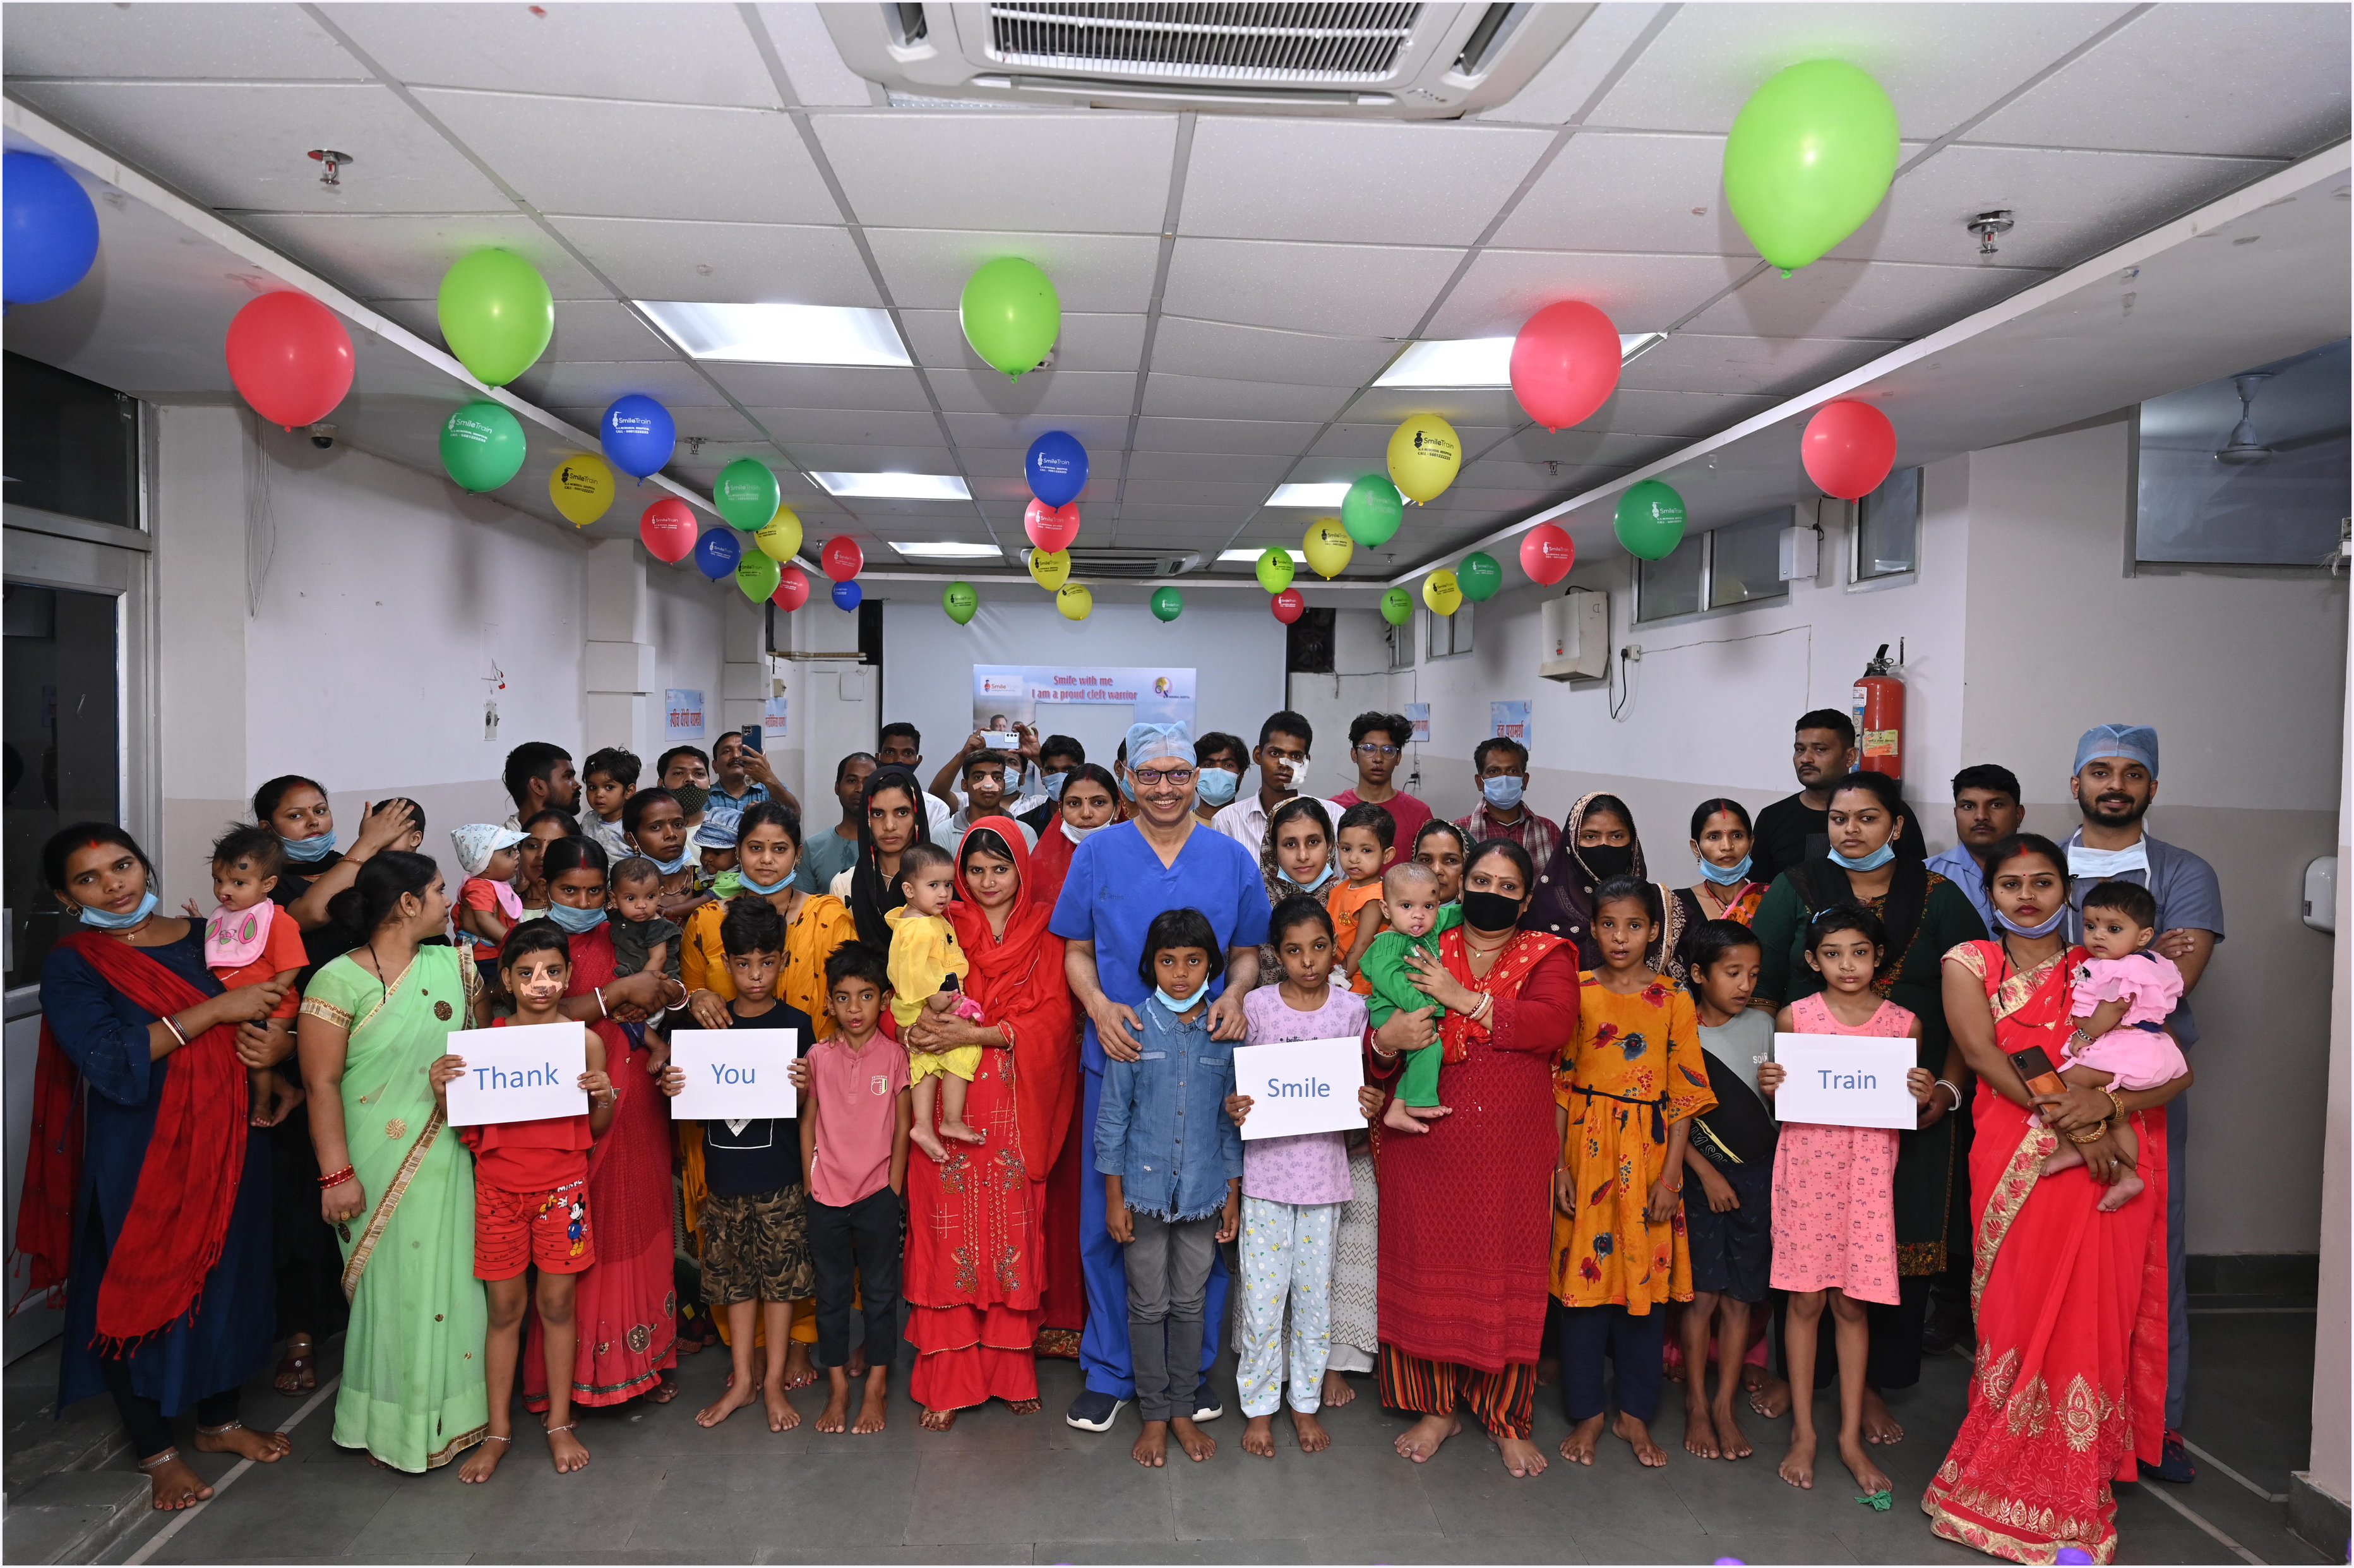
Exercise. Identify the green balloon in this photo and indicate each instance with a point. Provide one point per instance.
(1371, 510)
(1478, 576)
(483, 446)
(1012, 314)
(756, 574)
(1275, 569)
(496, 315)
(1168, 604)
(961, 603)
(1397, 606)
(747, 495)
(1810, 155)
(1651, 521)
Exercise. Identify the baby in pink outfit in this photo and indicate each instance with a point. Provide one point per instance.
(2124, 994)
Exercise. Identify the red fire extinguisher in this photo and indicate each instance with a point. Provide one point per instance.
(1879, 717)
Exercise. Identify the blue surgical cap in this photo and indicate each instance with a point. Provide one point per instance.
(1154, 742)
(2134, 742)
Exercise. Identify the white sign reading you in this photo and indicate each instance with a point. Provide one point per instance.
(734, 1075)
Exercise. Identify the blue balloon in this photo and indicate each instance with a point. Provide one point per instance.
(716, 553)
(49, 231)
(847, 596)
(1056, 468)
(638, 434)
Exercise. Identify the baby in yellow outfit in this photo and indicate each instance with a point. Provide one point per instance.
(924, 965)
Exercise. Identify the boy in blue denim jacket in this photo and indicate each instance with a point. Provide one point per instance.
(1168, 1205)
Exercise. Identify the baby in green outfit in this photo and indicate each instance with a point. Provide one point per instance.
(1410, 895)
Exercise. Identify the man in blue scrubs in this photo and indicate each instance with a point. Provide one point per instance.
(1121, 877)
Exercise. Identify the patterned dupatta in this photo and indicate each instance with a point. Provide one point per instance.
(1504, 979)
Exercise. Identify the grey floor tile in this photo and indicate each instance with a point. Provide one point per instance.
(1669, 1545)
(732, 1508)
(996, 1496)
(895, 1556)
(1237, 1496)
(325, 1507)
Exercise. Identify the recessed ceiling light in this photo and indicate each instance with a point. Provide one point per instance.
(944, 550)
(1307, 495)
(896, 486)
(1299, 557)
(1476, 362)
(780, 335)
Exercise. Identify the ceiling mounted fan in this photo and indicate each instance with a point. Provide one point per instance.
(2243, 447)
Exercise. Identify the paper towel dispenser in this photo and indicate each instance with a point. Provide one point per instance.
(1576, 637)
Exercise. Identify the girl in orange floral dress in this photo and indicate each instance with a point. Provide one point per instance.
(1625, 1094)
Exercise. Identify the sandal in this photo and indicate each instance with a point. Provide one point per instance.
(298, 1372)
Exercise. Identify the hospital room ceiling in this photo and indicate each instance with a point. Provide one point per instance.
(1233, 285)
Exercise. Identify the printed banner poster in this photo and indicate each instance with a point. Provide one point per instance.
(682, 714)
(1418, 715)
(1004, 695)
(773, 718)
(1509, 721)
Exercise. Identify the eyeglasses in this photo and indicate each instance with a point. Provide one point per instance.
(1374, 748)
(1176, 777)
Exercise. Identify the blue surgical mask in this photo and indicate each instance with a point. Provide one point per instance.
(1128, 788)
(1871, 861)
(765, 889)
(106, 920)
(1503, 791)
(1054, 783)
(1331, 871)
(2103, 864)
(671, 867)
(1176, 1004)
(1216, 786)
(2016, 929)
(317, 847)
(1727, 875)
(576, 920)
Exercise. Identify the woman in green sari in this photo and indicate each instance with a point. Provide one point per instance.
(372, 1022)
(1926, 917)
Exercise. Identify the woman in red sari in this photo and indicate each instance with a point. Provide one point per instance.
(2070, 1388)
(625, 1307)
(977, 1269)
(1466, 1213)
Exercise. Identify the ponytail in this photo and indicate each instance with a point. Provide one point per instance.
(360, 911)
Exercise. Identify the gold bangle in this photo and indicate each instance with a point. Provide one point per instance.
(2117, 1106)
(2093, 1134)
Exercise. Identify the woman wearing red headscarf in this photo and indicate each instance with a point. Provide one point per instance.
(976, 1273)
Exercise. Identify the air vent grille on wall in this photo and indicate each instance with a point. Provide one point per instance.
(1100, 563)
(1322, 44)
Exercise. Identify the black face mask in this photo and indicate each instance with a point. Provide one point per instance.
(1606, 861)
(1489, 911)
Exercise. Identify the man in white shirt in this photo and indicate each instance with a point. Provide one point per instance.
(1281, 758)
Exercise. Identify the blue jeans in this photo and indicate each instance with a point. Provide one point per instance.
(1103, 1346)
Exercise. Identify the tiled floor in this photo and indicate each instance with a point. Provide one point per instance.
(1002, 1488)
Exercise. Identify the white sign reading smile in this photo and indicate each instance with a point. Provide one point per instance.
(1300, 1085)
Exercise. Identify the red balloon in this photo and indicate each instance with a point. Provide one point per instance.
(1547, 553)
(1849, 448)
(290, 357)
(668, 529)
(1565, 363)
(841, 558)
(1288, 606)
(793, 589)
(1051, 528)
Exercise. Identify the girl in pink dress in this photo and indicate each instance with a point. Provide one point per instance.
(1835, 1195)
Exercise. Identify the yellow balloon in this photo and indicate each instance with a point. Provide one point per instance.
(1442, 592)
(1424, 456)
(1328, 547)
(1051, 568)
(1073, 600)
(582, 487)
(779, 538)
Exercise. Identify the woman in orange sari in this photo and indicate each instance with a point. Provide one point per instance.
(2070, 1387)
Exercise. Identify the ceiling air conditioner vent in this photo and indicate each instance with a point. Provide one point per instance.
(1100, 564)
(1378, 61)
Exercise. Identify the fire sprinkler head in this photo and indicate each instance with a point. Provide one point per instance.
(332, 164)
(1987, 224)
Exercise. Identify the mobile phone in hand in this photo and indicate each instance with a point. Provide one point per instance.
(754, 740)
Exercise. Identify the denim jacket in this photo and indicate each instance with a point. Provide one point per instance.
(1163, 1128)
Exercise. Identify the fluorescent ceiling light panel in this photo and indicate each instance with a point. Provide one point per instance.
(780, 335)
(1299, 557)
(1307, 495)
(896, 486)
(1476, 362)
(945, 550)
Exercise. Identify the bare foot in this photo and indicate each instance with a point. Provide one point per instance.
(1313, 1438)
(800, 1370)
(1700, 1432)
(1771, 1398)
(730, 1401)
(1797, 1465)
(835, 1417)
(1258, 1436)
(1397, 1119)
(1731, 1442)
(1879, 1425)
(566, 1450)
(1522, 1458)
(876, 1406)
(262, 1448)
(1638, 1436)
(663, 1391)
(1421, 1440)
(963, 1132)
(1336, 1391)
(1151, 1448)
(2126, 1189)
(857, 1367)
(1022, 1406)
(483, 1462)
(1198, 1445)
(173, 1486)
(782, 1416)
(298, 1370)
(1868, 1476)
(937, 1420)
(924, 1139)
(1579, 1446)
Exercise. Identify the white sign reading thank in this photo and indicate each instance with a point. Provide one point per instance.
(734, 1075)
(526, 1072)
(1300, 1085)
(1846, 1080)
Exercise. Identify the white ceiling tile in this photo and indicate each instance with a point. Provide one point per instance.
(245, 146)
(652, 160)
(1089, 342)
(1184, 346)
(2249, 78)
(1856, 299)
(1201, 398)
(1629, 192)
(1242, 467)
(1940, 63)
(812, 64)
(821, 387)
(1221, 436)
(877, 457)
(1640, 293)
(1368, 291)
(1348, 449)
(1564, 83)
(1457, 406)
(1046, 394)
(604, 329)
(672, 384)
(1687, 414)
(927, 269)
(1155, 493)
(1101, 434)
(403, 255)
(1043, 172)
(1520, 461)
(1694, 361)
(234, 42)
(711, 424)
(671, 54)
(850, 427)
(788, 264)
(1344, 179)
